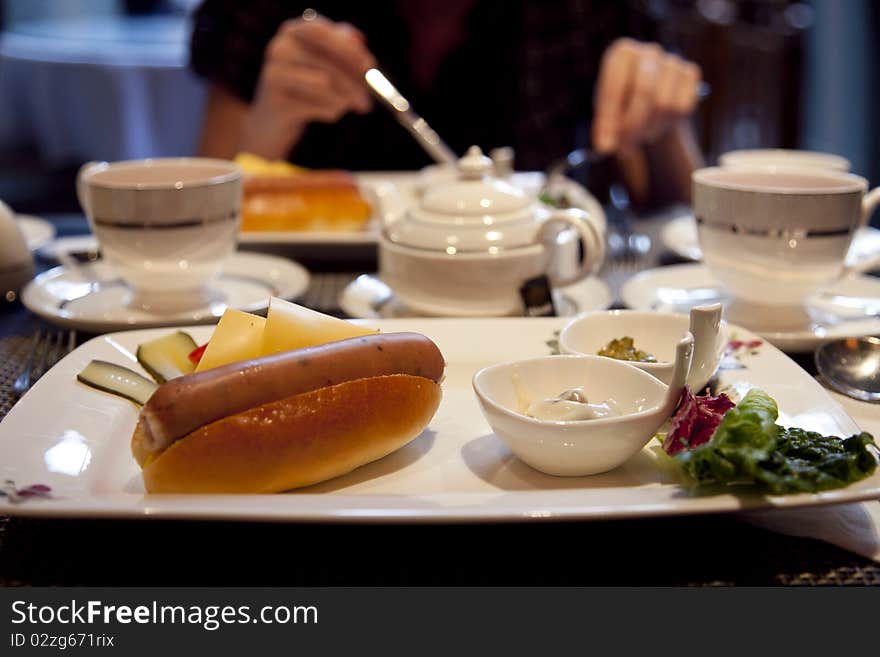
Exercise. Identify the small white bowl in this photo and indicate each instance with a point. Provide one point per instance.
(581, 447)
(655, 333)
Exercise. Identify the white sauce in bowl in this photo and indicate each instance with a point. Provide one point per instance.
(571, 405)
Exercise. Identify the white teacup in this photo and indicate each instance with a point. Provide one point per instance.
(166, 225)
(781, 157)
(774, 236)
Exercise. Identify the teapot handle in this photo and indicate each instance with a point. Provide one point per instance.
(591, 236)
(386, 199)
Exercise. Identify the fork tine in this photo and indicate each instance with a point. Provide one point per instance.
(48, 348)
(23, 380)
(44, 360)
(71, 341)
(60, 347)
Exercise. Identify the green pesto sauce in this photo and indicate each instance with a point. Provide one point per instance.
(624, 349)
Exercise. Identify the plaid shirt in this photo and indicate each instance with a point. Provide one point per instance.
(523, 76)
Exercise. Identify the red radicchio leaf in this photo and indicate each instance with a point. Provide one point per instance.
(695, 421)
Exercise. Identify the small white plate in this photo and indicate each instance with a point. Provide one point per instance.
(91, 297)
(368, 297)
(850, 307)
(679, 235)
(37, 232)
(458, 470)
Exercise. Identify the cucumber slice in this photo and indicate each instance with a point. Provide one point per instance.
(117, 380)
(167, 357)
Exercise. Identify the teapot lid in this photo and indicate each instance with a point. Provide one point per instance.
(475, 213)
(475, 193)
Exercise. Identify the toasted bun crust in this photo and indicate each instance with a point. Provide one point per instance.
(299, 440)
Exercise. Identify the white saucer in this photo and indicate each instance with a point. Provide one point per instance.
(680, 237)
(850, 307)
(91, 297)
(368, 297)
(37, 232)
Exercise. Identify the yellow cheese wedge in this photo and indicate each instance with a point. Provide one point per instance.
(238, 336)
(289, 326)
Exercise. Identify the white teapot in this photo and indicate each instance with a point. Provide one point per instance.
(465, 247)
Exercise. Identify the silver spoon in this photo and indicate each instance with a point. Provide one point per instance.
(851, 366)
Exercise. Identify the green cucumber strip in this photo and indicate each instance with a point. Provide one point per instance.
(117, 380)
(167, 357)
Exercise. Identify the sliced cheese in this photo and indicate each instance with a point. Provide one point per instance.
(290, 326)
(238, 336)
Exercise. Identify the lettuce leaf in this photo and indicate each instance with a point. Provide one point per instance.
(748, 447)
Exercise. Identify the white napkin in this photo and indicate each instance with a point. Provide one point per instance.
(854, 527)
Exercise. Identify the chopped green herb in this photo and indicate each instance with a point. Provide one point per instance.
(750, 448)
(625, 349)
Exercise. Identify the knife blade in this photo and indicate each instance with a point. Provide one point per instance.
(402, 110)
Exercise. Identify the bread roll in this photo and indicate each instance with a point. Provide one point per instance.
(299, 440)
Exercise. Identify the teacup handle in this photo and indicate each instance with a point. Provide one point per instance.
(870, 201)
(591, 236)
(81, 195)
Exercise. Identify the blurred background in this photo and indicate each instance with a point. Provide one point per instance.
(88, 80)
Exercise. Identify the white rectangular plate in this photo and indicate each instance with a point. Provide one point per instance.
(76, 440)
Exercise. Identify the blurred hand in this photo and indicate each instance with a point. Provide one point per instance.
(312, 71)
(641, 92)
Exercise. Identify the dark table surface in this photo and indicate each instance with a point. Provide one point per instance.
(695, 550)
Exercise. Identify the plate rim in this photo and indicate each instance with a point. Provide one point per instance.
(666, 237)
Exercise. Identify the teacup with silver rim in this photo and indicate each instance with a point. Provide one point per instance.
(774, 236)
(166, 225)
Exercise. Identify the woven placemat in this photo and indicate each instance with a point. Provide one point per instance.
(14, 352)
(324, 292)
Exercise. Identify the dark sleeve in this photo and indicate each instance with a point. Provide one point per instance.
(561, 50)
(229, 38)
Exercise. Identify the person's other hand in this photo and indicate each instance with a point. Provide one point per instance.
(641, 92)
(313, 70)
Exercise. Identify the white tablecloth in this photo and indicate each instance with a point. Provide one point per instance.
(106, 88)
